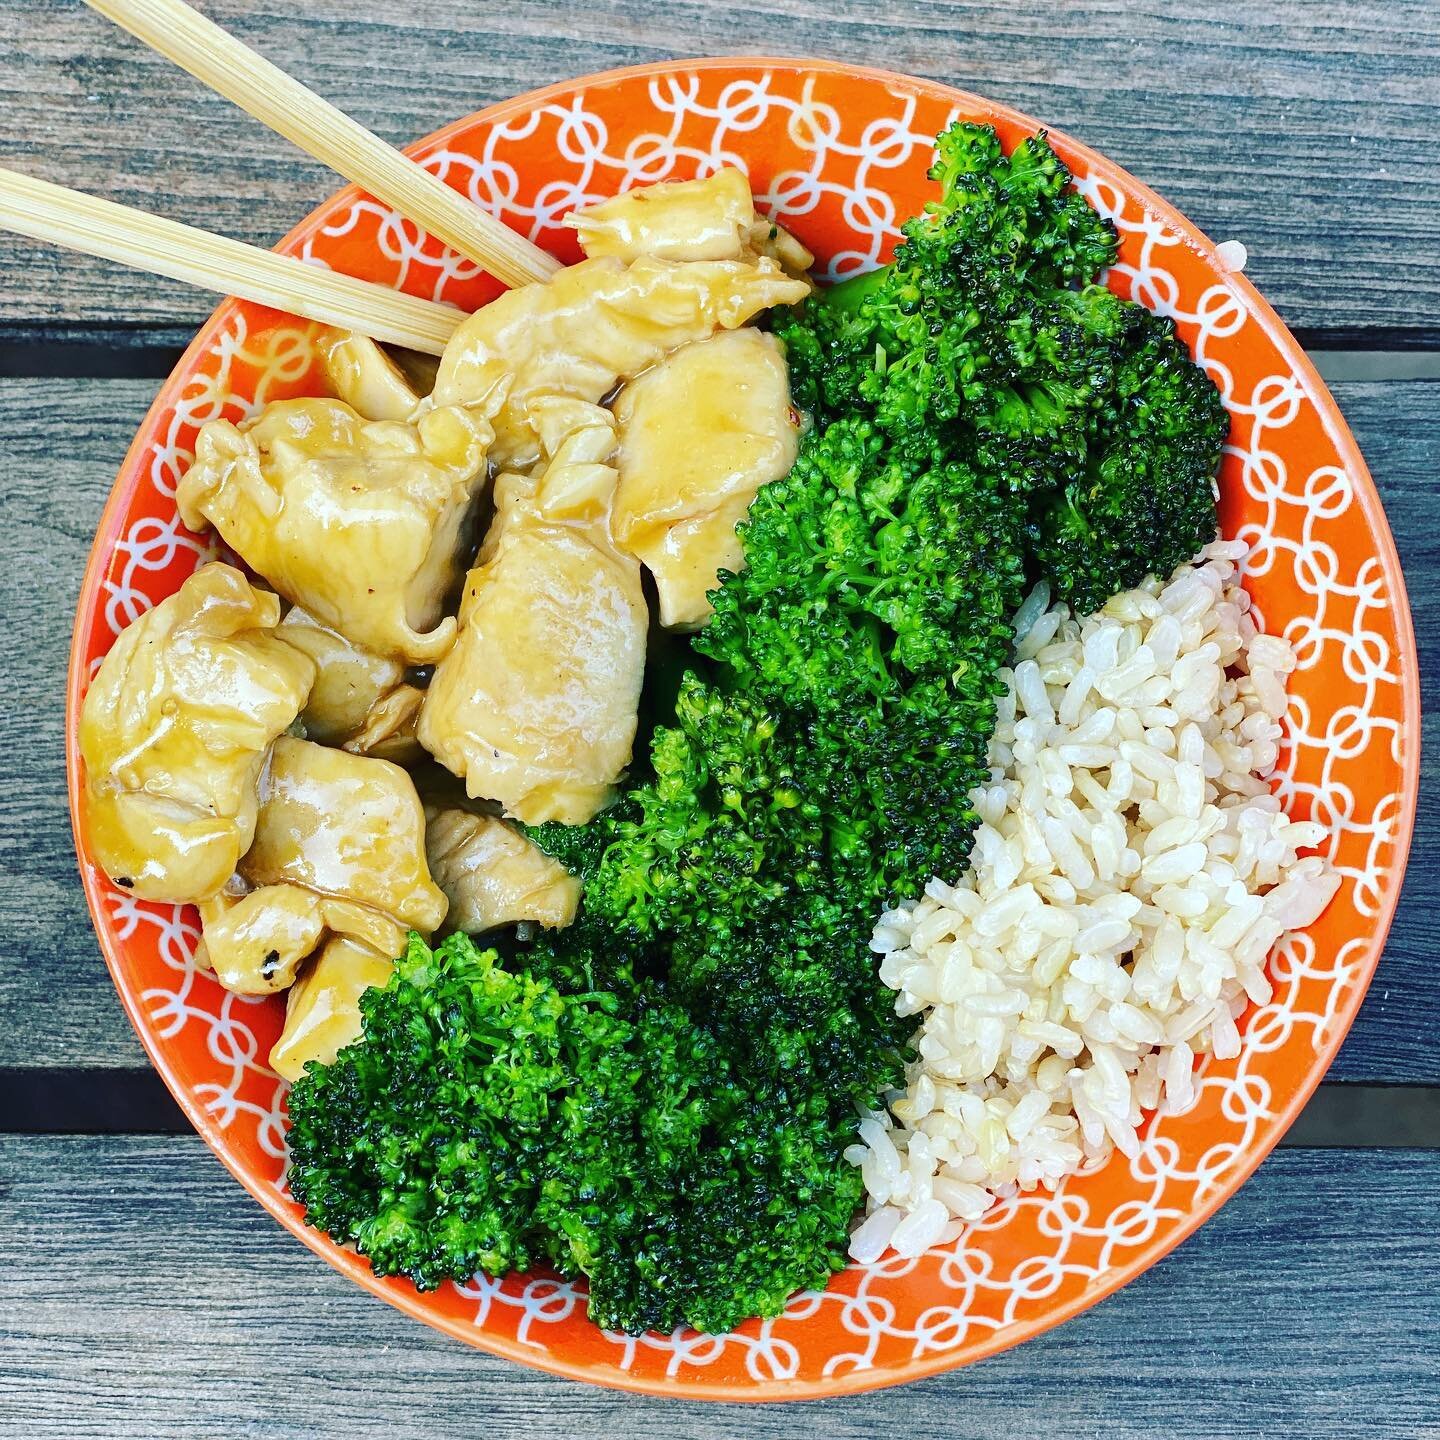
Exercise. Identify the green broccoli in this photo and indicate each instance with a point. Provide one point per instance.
(868, 574)
(425, 1143)
(699, 1189)
(766, 1211)
(874, 615)
(989, 340)
(988, 320)
(578, 848)
(725, 826)
(489, 1117)
(1147, 500)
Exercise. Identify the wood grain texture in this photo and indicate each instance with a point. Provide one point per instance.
(1398, 430)
(145, 1295)
(64, 440)
(1303, 127)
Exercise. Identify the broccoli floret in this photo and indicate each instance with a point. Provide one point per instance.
(766, 1212)
(990, 340)
(724, 827)
(591, 954)
(488, 1117)
(718, 1195)
(874, 617)
(798, 981)
(903, 780)
(627, 1132)
(987, 322)
(1015, 213)
(577, 847)
(425, 1143)
(868, 575)
(1147, 500)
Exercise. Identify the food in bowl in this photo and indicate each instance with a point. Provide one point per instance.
(680, 1094)
(1130, 875)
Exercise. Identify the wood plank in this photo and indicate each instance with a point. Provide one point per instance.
(1304, 129)
(65, 439)
(1392, 1038)
(145, 1295)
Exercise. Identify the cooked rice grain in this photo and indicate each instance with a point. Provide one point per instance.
(1131, 873)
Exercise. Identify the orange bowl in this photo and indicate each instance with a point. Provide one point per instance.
(840, 154)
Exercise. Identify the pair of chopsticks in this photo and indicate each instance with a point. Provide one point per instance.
(182, 252)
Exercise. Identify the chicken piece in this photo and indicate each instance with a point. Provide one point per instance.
(707, 219)
(699, 435)
(173, 732)
(359, 701)
(346, 826)
(339, 851)
(417, 369)
(365, 377)
(256, 942)
(349, 681)
(389, 729)
(493, 875)
(772, 241)
(591, 326)
(322, 1010)
(360, 522)
(536, 705)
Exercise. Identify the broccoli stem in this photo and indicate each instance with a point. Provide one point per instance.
(849, 295)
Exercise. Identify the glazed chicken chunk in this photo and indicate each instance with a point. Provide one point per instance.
(700, 433)
(592, 326)
(712, 218)
(255, 941)
(535, 707)
(348, 833)
(493, 875)
(365, 377)
(360, 522)
(322, 1010)
(346, 826)
(174, 730)
(339, 849)
(360, 701)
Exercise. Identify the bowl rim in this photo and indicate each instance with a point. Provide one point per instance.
(403, 1295)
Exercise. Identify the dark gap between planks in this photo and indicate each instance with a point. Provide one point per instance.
(127, 353)
(75, 1101)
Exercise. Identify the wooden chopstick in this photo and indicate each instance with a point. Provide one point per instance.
(165, 247)
(219, 60)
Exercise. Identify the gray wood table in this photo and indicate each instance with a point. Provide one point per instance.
(142, 1293)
